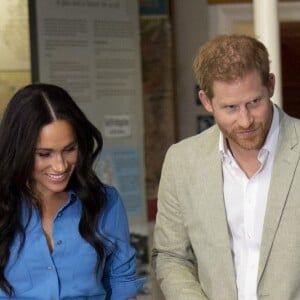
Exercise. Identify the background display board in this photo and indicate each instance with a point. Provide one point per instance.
(92, 49)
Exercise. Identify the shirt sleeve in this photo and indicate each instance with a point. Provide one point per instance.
(119, 275)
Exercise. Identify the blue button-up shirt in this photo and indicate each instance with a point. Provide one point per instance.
(68, 272)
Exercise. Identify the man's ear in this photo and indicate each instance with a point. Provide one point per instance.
(271, 86)
(206, 102)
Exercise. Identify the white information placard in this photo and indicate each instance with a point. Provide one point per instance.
(92, 49)
(117, 126)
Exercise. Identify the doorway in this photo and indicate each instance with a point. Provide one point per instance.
(290, 65)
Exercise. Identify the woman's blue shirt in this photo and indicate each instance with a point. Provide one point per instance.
(69, 271)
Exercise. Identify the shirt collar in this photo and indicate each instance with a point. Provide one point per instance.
(71, 198)
(269, 145)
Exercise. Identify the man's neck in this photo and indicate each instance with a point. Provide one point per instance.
(246, 159)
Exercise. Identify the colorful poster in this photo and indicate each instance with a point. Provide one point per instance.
(120, 167)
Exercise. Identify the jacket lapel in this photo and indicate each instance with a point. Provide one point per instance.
(282, 176)
(212, 189)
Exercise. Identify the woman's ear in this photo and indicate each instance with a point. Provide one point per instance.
(206, 102)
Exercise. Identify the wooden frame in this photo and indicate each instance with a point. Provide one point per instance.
(239, 1)
(224, 17)
(228, 1)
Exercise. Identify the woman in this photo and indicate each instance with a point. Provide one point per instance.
(63, 233)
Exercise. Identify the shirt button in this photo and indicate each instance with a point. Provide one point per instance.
(50, 268)
(59, 242)
(59, 214)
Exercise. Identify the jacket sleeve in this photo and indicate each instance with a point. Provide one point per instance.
(172, 256)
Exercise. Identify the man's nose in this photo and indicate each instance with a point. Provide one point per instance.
(245, 118)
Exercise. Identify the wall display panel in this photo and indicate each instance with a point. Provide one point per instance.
(92, 49)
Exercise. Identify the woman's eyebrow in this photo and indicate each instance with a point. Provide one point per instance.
(50, 149)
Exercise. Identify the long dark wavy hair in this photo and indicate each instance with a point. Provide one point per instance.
(30, 109)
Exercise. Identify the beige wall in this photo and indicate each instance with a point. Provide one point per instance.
(191, 31)
(14, 49)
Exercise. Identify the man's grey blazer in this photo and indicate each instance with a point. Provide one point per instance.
(192, 254)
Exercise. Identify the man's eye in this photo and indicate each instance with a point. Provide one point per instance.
(254, 102)
(231, 107)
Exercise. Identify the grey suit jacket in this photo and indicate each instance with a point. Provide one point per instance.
(192, 254)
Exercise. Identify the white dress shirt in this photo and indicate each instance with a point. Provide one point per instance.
(245, 202)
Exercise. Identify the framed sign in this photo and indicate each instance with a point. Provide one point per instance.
(92, 49)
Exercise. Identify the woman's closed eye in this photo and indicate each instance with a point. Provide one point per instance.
(70, 148)
(43, 153)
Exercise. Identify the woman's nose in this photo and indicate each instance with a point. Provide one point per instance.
(59, 163)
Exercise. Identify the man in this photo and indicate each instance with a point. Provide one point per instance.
(228, 222)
